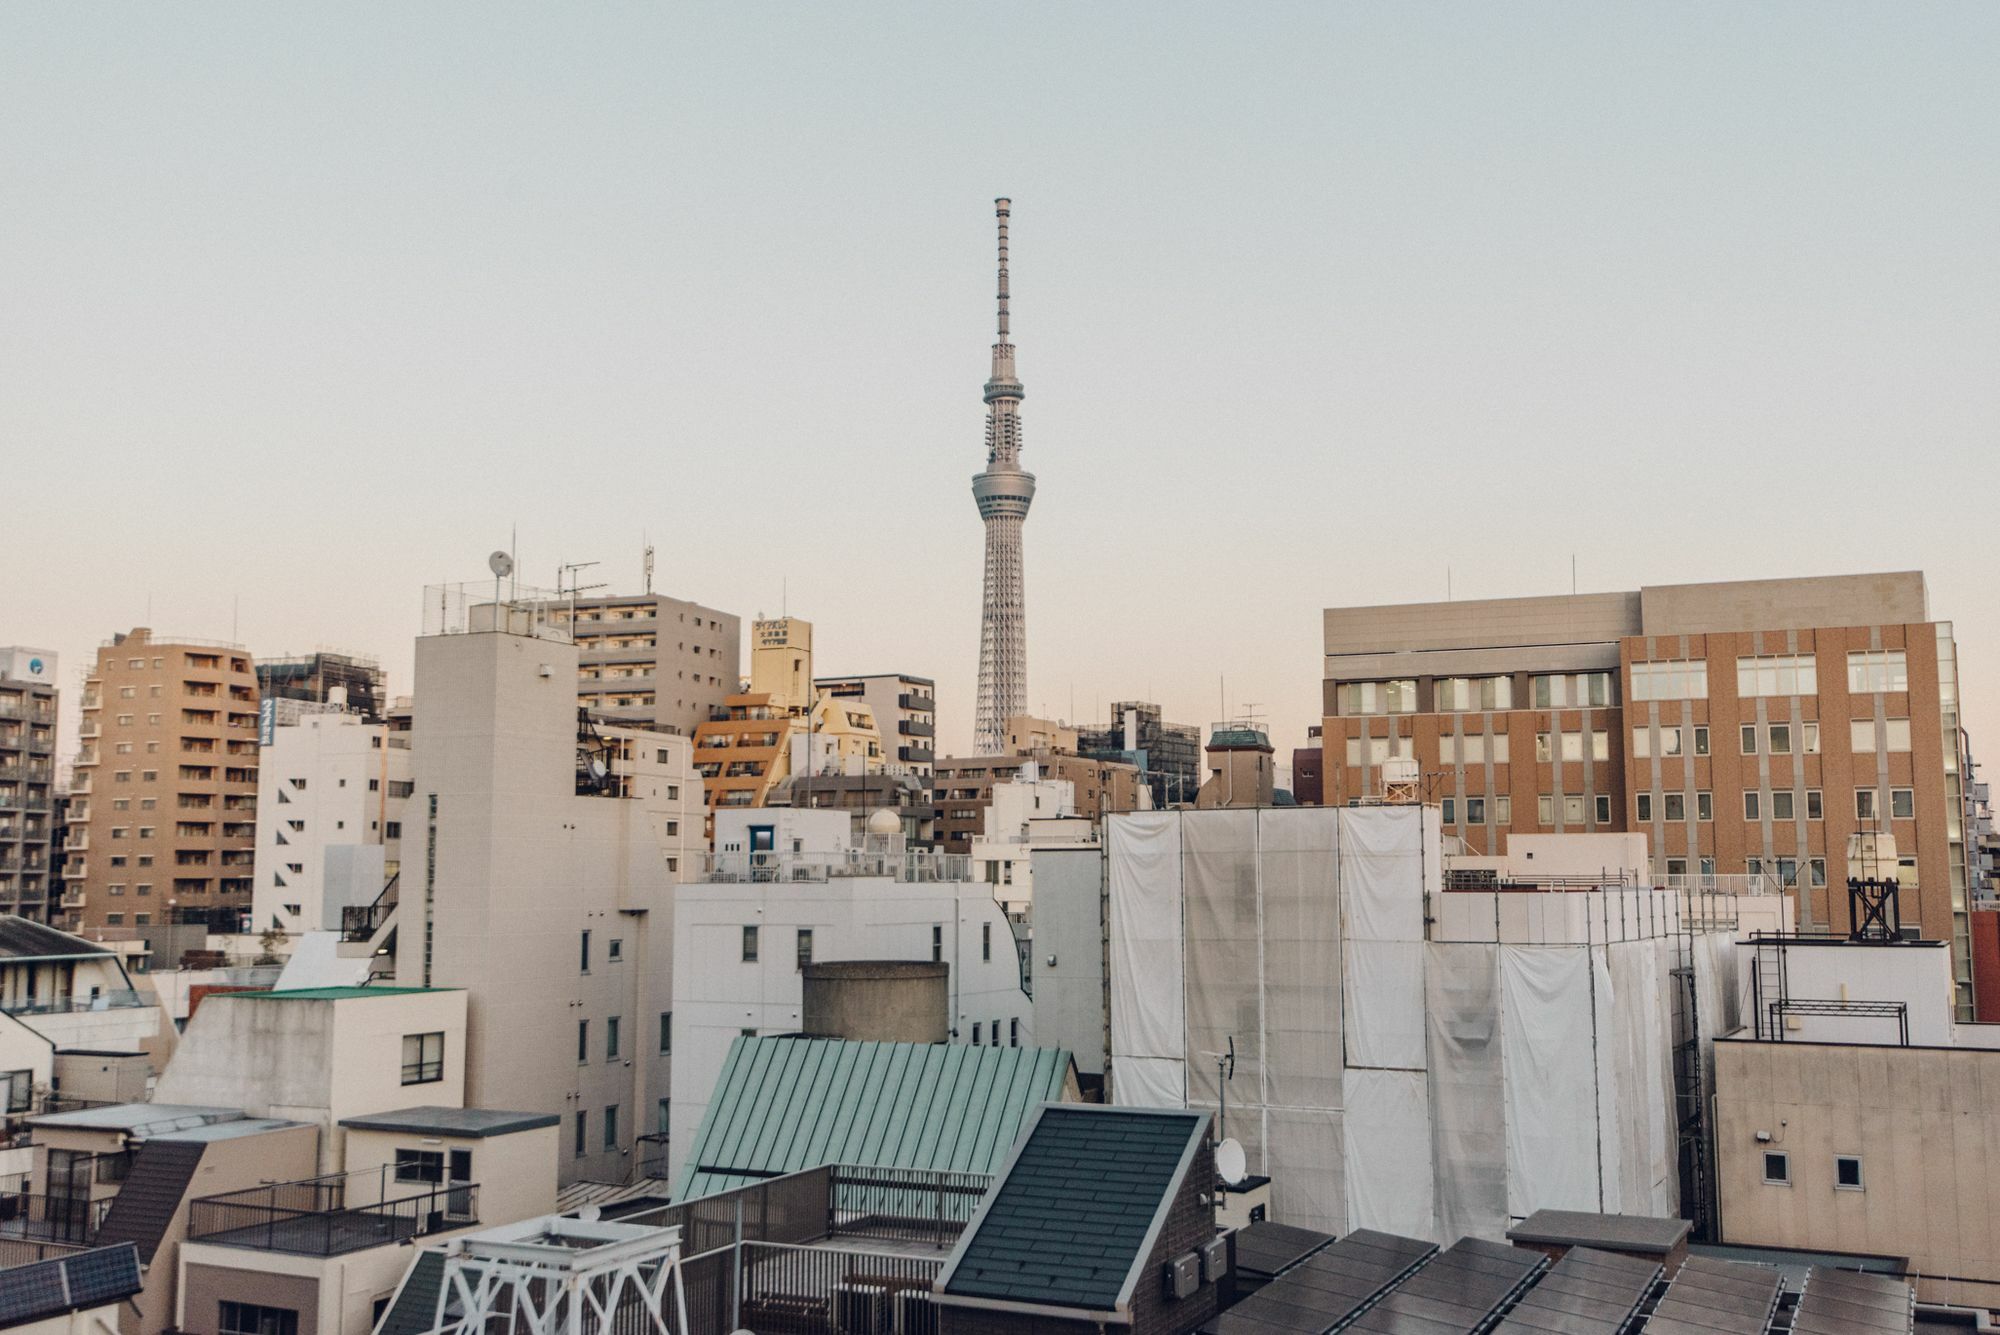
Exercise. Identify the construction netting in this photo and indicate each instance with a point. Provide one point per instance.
(1382, 1078)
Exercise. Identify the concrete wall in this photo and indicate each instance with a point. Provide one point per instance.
(326, 782)
(1784, 604)
(1068, 954)
(1926, 1123)
(516, 1173)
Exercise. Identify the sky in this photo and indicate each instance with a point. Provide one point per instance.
(305, 307)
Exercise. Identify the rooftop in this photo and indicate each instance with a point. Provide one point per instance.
(431, 1120)
(155, 1119)
(22, 940)
(1618, 1232)
(338, 993)
(1061, 1228)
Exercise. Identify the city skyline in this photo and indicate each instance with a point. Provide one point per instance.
(1330, 309)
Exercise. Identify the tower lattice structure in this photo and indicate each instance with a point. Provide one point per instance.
(1004, 492)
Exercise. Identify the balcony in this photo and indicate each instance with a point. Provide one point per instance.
(334, 1215)
(917, 704)
(910, 865)
(121, 999)
(916, 728)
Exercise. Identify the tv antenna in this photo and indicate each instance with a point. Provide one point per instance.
(1225, 1071)
(567, 574)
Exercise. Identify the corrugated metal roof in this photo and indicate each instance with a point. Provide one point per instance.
(786, 1104)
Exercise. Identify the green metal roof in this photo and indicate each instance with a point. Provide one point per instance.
(337, 993)
(786, 1104)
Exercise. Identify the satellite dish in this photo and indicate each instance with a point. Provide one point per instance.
(501, 564)
(1230, 1165)
(597, 769)
(590, 1214)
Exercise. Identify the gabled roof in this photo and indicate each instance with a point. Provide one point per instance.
(414, 1309)
(21, 939)
(786, 1104)
(1072, 1221)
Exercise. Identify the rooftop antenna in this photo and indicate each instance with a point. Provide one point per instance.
(569, 573)
(646, 565)
(1225, 1071)
(1572, 574)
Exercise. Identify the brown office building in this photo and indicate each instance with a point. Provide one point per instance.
(164, 812)
(1747, 728)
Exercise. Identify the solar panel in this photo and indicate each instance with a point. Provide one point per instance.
(1459, 1290)
(1837, 1302)
(1327, 1288)
(103, 1276)
(1710, 1297)
(1587, 1292)
(28, 1292)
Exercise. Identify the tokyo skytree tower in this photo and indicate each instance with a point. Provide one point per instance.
(1004, 493)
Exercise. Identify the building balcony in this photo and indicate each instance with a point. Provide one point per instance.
(917, 704)
(334, 1215)
(910, 727)
(910, 865)
(64, 1005)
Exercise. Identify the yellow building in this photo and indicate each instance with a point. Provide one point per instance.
(781, 661)
(763, 741)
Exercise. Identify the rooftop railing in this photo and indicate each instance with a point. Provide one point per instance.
(333, 1215)
(913, 865)
(118, 999)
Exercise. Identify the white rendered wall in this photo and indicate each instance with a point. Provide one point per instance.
(1916, 974)
(718, 995)
(349, 771)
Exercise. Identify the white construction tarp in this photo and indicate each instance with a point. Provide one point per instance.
(1467, 1092)
(1641, 1052)
(1612, 1132)
(1384, 987)
(1298, 883)
(1148, 1034)
(1387, 1128)
(1551, 1079)
(1382, 874)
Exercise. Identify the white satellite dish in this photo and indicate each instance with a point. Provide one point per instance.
(590, 1214)
(501, 564)
(1230, 1164)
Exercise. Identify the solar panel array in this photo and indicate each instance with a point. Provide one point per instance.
(1459, 1290)
(87, 1279)
(1845, 1302)
(1265, 1250)
(1328, 1288)
(1710, 1297)
(1588, 1292)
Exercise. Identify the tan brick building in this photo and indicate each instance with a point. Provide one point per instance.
(1747, 728)
(165, 796)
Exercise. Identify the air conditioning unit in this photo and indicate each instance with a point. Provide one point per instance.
(1183, 1276)
(916, 1313)
(1214, 1259)
(860, 1309)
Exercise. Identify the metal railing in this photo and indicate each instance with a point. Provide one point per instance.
(334, 1215)
(795, 1290)
(118, 999)
(71, 1219)
(915, 864)
(905, 1204)
(360, 922)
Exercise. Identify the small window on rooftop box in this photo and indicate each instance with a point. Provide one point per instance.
(1847, 1172)
(1778, 1168)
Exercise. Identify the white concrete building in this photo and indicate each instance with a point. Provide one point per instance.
(1026, 813)
(787, 887)
(331, 792)
(905, 710)
(536, 881)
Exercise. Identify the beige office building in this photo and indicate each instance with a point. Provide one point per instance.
(164, 810)
(649, 661)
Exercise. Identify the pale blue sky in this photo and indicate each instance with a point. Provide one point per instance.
(1312, 302)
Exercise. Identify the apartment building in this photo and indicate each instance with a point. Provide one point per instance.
(1169, 753)
(332, 787)
(905, 710)
(649, 661)
(963, 787)
(163, 821)
(1747, 728)
(315, 678)
(27, 782)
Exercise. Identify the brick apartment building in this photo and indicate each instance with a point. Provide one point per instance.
(1747, 728)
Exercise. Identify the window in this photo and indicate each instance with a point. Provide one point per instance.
(582, 1131)
(1461, 694)
(612, 1025)
(985, 940)
(1816, 869)
(1673, 679)
(937, 942)
(250, 1319)
(1749, 739)
(976, 1032)
(1503, 810)
(583, 953)
(20, 1090)
(664, 1116)
(1902, 804)
(1603, 804)
(1572, 747)
(1542, 751)
(1877, 670)
(423, 1058)
(1379, 697)
(419, 1165)
(614, 949)
(750, 944)
(1677, 867)
(1809, 739)
(1781, 739)
(582, 1041)
(805, 947)
(1778, 1168)
(1752, 805)
(1782, 805)
(666, 1031)
(1573, 810)
(1779, 674)
(1645, 806)
(1545, 810)
(1815, 805)
(1014, 1033)
(1847, 1172)
(611, 1127)
(1600, 746)
(1448, 808)
(1701, 739)
(1475, 811)
(1676, 806)
(1864, 804)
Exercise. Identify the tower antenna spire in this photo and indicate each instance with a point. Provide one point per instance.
(1003, 491)
(1001, 208)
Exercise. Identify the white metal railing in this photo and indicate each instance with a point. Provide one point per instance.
(914, 864)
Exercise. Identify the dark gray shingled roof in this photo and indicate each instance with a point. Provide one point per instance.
(435, 1121)
(1071, 1218)
(21, 939)
(153, 1190)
